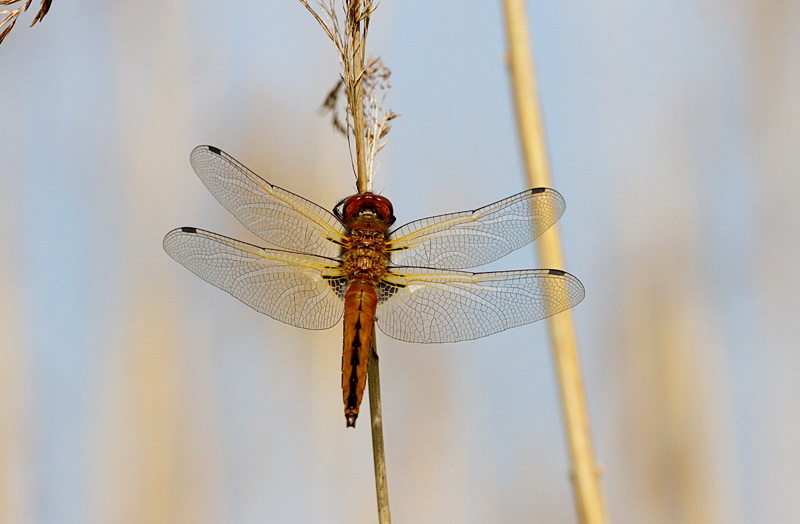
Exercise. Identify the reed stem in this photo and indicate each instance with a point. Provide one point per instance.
(376, 421)
(356, 31)
(587, 490)
(351, 46)
(355, 99)
(354, 76)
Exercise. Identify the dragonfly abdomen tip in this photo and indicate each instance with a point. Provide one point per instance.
(351, 420)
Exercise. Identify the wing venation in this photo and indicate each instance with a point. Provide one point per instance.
(474, 238)
(296, 288)
(278, 216)
(433, 305)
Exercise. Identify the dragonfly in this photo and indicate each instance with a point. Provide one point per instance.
(351, 263)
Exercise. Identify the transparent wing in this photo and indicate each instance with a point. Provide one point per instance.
(433, 305)
(473, 238)
(299, 289)
(281, 218)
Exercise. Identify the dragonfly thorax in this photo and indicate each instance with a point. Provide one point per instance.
(367, 217)
(364, 255)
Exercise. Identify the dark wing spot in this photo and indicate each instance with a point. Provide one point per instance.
(538, 190)
(557, 272)
(386, 290)
(214, 150)
(189, 229)
(338, 284)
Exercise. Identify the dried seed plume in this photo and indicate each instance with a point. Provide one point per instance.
(364, 83)
(9, 16)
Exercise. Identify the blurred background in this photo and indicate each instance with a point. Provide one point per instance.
(132, 391)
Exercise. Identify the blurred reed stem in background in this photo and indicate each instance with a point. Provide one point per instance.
(585, 477)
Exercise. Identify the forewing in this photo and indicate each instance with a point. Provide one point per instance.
(299, 289)
(473, 238)
(432, 305)
(278, 216)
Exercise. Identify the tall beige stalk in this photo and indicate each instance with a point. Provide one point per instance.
(585, 477)
(376, 422)
(367, 134)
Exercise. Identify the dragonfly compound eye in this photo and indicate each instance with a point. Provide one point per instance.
(368, 203)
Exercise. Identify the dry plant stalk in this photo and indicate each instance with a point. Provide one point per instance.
(586, 480)
(10, 15)
(366, 125)
(364, 82)
(376, 421)
(377, 122)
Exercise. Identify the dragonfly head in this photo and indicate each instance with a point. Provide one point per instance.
(361, 204)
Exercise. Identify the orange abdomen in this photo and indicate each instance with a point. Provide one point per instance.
(360, 301)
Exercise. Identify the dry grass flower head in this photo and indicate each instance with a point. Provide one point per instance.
(365, 83)
(10, 16)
